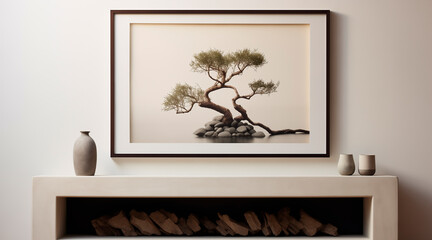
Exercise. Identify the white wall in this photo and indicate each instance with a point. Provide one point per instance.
(54, 76)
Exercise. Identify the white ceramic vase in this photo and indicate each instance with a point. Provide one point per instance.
(84, 155)
(346, 165)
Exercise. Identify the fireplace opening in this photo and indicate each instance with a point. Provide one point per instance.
(348, 215)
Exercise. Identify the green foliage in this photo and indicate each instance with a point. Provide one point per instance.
(214, 60)
(226, 66)
(261, 87)
(218, 61)
(182, 98)
(247, 57)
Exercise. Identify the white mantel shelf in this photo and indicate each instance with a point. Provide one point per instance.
(381, 214)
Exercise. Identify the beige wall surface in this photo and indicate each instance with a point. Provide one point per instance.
(54, 81)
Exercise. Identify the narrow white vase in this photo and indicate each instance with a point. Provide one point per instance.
(346, 165)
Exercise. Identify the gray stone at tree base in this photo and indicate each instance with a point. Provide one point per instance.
(234, 123)
(231, 130)
(216, 129)
(241, 129)
(218, 118)
(209, 134)
(200, 132)
(258, 135)
(212, 123)
(224, 134)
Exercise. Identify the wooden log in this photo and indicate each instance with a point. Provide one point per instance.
(169, 215)
(237, 227)
(286, 232)
(184, 227)
(120, 221)
(224, 229)
(274, 224)
(102, 227)
(143, 223)
(329, 229)
(193, 223)
(265, 227)
(283, 216)
(294, 226)
(165, 223)
(311, 225)
(253, 221)
(208, 224)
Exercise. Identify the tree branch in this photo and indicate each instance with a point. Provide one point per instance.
(240, 71)
(212, 78)
(248, 96)
(244, 115)
(184, 109)
(238, 96)
(233, 88)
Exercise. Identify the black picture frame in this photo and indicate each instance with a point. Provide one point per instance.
(324, 140)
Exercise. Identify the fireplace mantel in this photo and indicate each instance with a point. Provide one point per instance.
(380, 214)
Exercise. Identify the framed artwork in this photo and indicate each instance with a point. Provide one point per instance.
(219, 83)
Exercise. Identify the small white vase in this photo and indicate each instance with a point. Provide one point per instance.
(346, 165)
(84, 155)
(366, 164)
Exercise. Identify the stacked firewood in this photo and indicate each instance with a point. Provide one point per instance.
(162, 222)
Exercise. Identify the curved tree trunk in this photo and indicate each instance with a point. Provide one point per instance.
(207, 103)
(244, 116)
(228, 118)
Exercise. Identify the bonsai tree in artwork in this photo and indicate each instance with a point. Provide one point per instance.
(221, 69)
